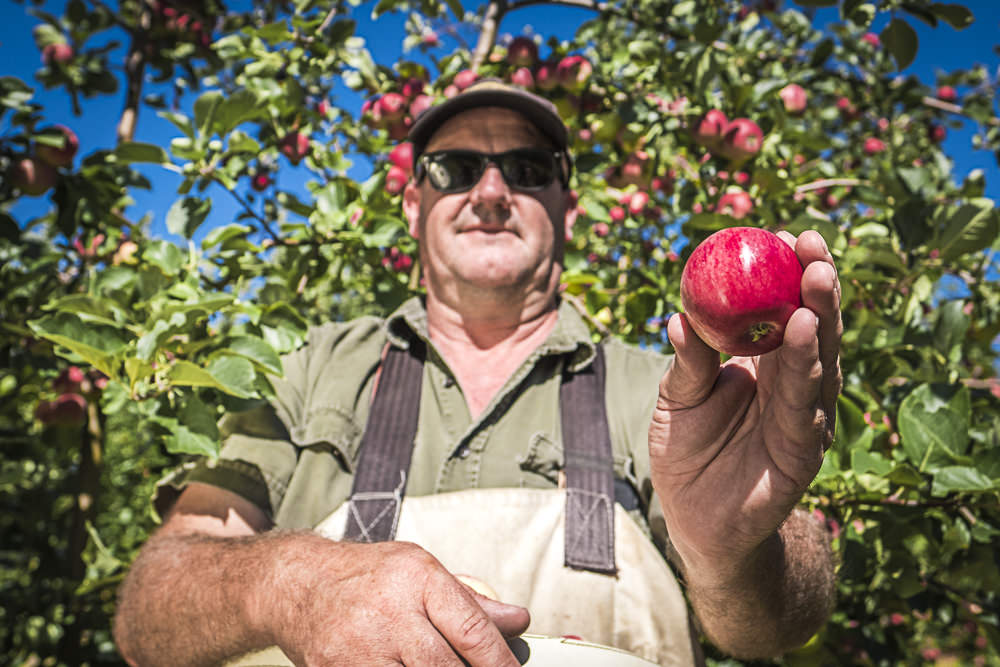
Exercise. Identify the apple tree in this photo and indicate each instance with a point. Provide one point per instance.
(122, 348)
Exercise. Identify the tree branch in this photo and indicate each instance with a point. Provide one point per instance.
(955, 109)
(495, 11)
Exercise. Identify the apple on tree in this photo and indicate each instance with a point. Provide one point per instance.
(546, 76)
(402, 156)
(60, 156)
(710, 129)
(742, 140)
(794, 97)
(738, 289)
(395, 180)
(947, 93)
(32, 176)
(522, 52)
(59, 53)
(294, 146)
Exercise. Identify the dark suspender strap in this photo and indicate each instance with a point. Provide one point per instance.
(386, 447)
(590, 486)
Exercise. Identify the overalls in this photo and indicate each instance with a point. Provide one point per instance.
(572, 556)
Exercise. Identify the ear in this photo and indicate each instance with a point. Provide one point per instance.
(411, 207)
(571, 213)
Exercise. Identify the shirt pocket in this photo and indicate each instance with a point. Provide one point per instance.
(542, 462)
(331, 429)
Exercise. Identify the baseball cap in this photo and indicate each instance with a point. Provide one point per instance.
(491, 92)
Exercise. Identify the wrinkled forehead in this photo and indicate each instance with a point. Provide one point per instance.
(488, 129)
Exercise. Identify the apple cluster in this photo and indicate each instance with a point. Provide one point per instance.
(37, 171)
(74, 388)
(737, 140)
(180, 21)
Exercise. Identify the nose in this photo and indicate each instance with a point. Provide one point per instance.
(491, 193)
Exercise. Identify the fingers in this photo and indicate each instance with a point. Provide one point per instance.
(812, 344)
(510, 620)
(691, 376)
(468, 629)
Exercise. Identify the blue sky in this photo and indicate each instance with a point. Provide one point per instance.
(942, 49)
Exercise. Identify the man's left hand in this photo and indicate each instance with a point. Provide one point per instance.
(734, 446)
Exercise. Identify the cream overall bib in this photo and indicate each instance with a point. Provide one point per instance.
(604, 581)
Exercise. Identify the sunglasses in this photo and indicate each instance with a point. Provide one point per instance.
(529, 169)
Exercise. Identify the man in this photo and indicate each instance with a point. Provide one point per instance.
(716, 459)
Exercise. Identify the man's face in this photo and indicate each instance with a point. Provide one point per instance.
(491, 236)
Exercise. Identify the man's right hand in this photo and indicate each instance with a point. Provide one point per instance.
(388, 603)
(215, 582)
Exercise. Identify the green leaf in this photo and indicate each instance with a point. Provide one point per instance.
(914, 178)
(902, 42)
(950, 479)
(180, 121)
(821, 53)
(972, 228)
(456, 8)
(237, 108)
(858, 12)
(204, 110)
(130, 152)
(97, 344)
(870, 462)
(232, 375)
(182, 440)
(235, 373)
(222, 234)
(164, 255)
(957, 16)
(256, 350)
(934, 425)
(185, 215)
(385, 230)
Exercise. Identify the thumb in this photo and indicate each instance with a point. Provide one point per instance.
(691, 376)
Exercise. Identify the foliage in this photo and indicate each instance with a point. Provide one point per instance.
(164, 337)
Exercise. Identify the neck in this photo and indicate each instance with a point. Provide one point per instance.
(485, 344)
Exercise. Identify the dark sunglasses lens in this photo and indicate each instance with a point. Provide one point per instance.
(528, 169)
(454, 171)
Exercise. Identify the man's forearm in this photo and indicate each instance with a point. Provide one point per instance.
(774, 602)
(195, 599)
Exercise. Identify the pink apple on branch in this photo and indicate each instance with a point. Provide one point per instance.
(522, 52)
(465, 78)
(60, 53)
(873, 146)
(32, 176)
(710, 129)
(794, 97)
(574, 73)
(60, 156)
(523, 77)
(739, 288)
(743, 139)
(546, 76)
(402, 156)
(392, 107)
(736, 204)
(294, 146)
(395, 180)
(946, 94)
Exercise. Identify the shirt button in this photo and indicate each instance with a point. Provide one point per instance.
(447, 382)
(463, 452)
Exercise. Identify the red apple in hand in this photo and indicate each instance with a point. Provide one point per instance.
(738, 289)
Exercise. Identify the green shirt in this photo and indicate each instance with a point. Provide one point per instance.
(295, 458)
